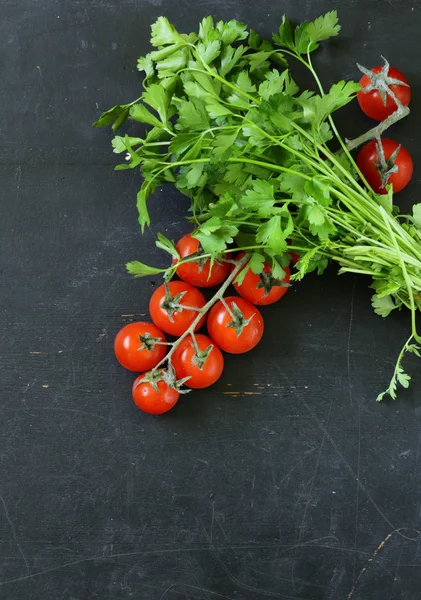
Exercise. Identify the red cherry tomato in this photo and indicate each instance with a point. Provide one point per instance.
(152, 401)
(164, 311)
(239, 332)
(136, 346)
(204, 368)
(368, 162)
(262, 289)
(371, 102)
(199, 273)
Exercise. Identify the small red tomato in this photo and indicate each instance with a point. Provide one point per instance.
(238, 330)
(174, 308)
(198, 272)
(375, 102)
(203, 367)
(140, 346)
(396, 170)
(151, 400)
(262, 289)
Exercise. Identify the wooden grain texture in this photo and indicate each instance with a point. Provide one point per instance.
(284, 480)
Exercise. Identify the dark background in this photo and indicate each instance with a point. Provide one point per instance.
(284, 480)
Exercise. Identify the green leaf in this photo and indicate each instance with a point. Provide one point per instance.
(386, 200)
(292, 184)
(277, 270)
(319, 189)
(140, 113)
(260, 59)
(206, 26)
(115, 116)
(119, 143)
(167, 245)
(173, 63)
(138, 269)
(236, 174)
(244, 82)
(414, 349)
(214, 235)
(319, 108)
(192, 116)
(183, 141)
(302, 42)
(285, 37)
(271, 233)
(416, 215)
(209, 51)
(319, 222)
(260, 199)
(383, 306)
(257, 263)
(156, 97)
(194, 174)
(134, 157)
(164, 33)
(324, 27)
(229, 58)
(216, 110)
(142, 197)
(403, 378)
(232, 31)
(223, 143)
(277, 83)
(194, 90)
(145, 63)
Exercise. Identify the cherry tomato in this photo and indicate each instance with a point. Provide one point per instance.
(203, 368)
(167, 311)
(239, 331)
(262, 289)
(371, 102)
(199, 273)
(369, 163)
(136, 346)
(152, 401)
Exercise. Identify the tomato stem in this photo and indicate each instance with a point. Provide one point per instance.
(217, 296)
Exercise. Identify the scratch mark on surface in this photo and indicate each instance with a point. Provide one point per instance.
(302, 526)
(12, 527)
(213, 550)
(351, 400)
(351, 318)
(339, 453)
(28, 386)
(375, 553)
(396, 578)
(212, 522)
(193, 587)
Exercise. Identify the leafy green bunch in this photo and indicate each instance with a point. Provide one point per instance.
(229, 127)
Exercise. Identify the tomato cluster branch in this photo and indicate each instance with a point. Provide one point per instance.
(203, 311)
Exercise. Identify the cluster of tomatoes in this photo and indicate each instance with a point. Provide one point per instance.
(179, 309)
(384, 161)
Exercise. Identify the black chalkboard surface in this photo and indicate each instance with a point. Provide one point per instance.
(284, 480)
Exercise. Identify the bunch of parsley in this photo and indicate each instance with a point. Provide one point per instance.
(232, 131)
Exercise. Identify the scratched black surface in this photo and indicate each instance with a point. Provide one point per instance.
(285, 480)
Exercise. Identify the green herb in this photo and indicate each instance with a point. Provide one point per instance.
(233, 132)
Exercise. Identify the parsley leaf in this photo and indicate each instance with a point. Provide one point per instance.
(164, 33)
(383, 306)
(138, 269)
